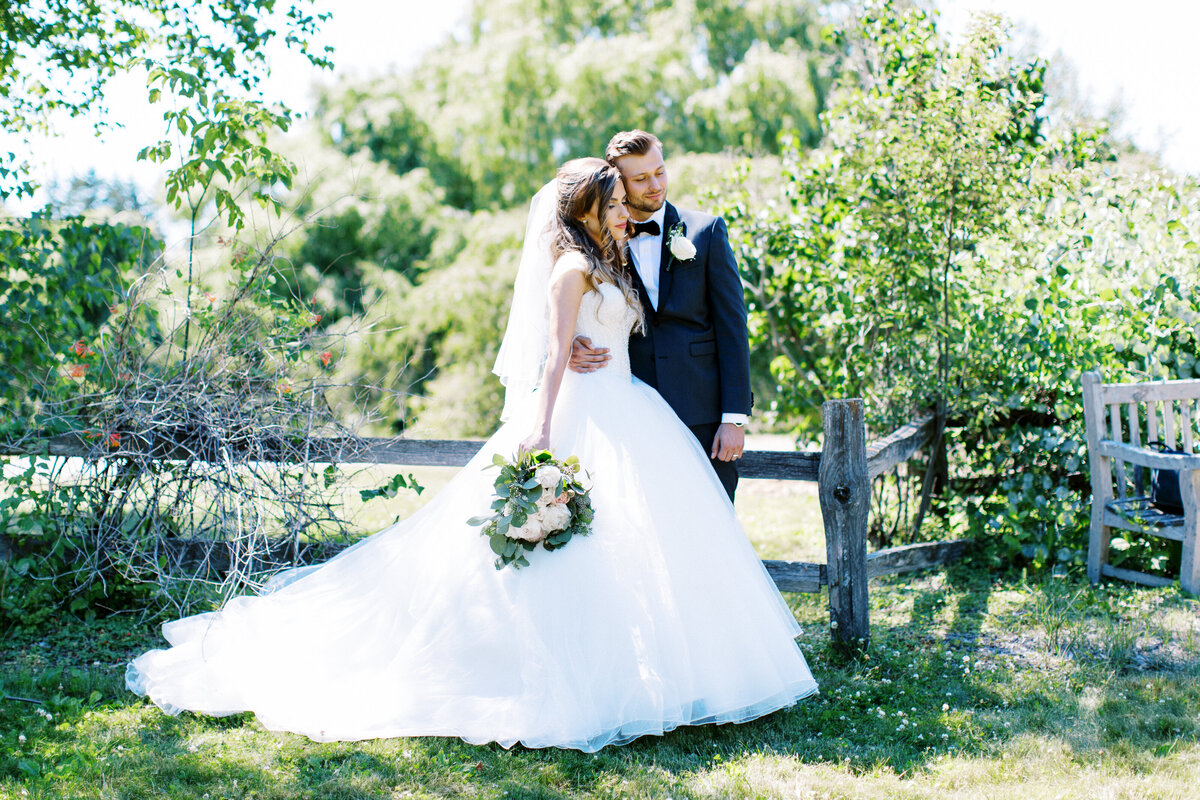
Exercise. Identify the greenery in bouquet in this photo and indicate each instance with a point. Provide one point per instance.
(539, 500)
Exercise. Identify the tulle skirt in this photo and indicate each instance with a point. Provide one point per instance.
(662, 616)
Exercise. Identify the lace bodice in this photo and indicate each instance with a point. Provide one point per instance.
(606, 318)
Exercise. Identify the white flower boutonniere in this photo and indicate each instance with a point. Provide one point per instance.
(679, 245)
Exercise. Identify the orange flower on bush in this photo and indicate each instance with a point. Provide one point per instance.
(114, 440)
(284, 386)
(326, 357)
(77, 370)
(210, 297)
(79, 348)
(313, 319)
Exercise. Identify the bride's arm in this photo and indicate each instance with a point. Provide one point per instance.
(567, 287)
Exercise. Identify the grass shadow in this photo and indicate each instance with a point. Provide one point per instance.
(929, 695)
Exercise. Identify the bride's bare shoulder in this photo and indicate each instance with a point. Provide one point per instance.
(570, 265)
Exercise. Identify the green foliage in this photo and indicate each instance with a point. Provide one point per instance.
(392, 488)
(378, 222)
(943, 249)
(205, 58)
(538, 81)
(883, 222)
(61, 281)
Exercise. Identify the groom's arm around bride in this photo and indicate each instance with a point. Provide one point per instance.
(695, 350)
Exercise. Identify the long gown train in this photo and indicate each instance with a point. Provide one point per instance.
(662, 616)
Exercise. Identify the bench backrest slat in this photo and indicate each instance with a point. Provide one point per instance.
(1151, 421)
(1114, 416)
(1168, 410)
(1135, 439)
(1185, 424)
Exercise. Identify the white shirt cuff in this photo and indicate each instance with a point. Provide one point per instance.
(735, 418)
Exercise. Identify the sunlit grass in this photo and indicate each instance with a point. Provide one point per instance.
(974, 686)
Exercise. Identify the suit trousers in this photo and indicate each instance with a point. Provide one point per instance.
(726, 470)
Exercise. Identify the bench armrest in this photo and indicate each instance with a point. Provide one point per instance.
(1145, 457)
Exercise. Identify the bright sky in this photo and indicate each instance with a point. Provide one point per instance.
(1137, 55)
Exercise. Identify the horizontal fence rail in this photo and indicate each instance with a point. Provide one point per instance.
(843, 471)
(768, 464)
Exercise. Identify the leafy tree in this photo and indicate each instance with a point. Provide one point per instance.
(943, 249)
(538, 81)
(205, 56)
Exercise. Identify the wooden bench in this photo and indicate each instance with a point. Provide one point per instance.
(1121, 418)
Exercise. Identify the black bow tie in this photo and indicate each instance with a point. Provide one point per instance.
(650, 227)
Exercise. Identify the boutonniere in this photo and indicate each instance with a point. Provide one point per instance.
(679, 245)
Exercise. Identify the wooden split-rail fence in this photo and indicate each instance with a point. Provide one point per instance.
(843, 471)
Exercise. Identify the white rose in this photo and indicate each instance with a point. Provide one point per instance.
(532, 531)
(682, 248)
(548, 476)
(556, 517)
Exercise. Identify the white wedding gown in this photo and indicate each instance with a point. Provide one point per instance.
(662, 616)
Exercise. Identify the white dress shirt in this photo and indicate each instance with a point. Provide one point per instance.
(647, 255)
(647, 260)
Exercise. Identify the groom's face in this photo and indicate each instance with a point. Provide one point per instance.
(645, 179)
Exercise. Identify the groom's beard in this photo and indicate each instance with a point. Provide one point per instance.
(644, 207)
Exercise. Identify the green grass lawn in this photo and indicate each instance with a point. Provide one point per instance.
(975, 685)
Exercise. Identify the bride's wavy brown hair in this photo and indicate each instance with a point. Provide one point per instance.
(585, 184)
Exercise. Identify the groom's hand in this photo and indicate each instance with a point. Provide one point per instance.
(729, 442)
(586, 359)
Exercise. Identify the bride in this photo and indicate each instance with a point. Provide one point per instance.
(663, 616)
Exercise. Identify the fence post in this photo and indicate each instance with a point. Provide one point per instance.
(845, 491)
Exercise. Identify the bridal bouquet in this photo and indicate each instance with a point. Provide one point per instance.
(539, 500)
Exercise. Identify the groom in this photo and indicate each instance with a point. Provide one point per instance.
(695, 350)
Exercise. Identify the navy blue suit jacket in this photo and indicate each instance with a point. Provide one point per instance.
(695, 350)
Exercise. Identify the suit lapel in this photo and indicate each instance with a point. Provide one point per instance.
(666, 272)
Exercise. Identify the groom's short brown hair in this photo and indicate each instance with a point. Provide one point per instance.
(630, 143)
